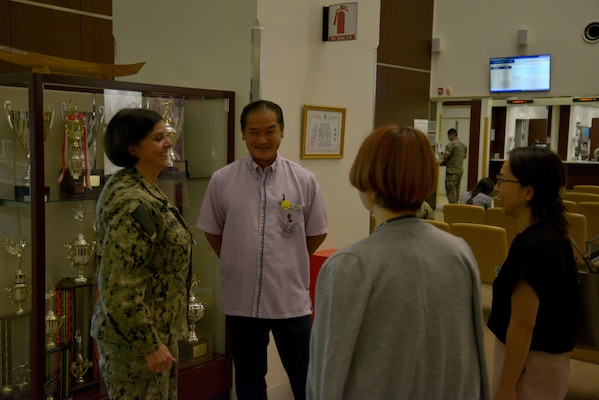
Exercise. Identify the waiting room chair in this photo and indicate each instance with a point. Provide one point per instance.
(580, 196)
(453, 213)
(591, 211)
(586, 188)
(488, 244)
(578, 232)
(496, 217)
(570, 205)
(439, 224)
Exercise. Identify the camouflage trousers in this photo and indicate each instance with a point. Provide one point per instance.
(127, 376)
(452, 187)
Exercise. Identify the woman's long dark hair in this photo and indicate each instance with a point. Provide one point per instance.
(485, 186)
(543, 170)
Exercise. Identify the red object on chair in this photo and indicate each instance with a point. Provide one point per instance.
(316, 261)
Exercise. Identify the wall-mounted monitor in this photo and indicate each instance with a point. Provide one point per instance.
(520, 74)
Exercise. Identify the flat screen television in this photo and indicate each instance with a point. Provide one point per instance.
(520, 73)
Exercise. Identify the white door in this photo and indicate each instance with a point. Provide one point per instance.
(458, 118)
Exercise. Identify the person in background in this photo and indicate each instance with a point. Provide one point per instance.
(395, 319)
(453, 159)
(264, 216)
(144, 249)
(535, 300)
(480, 195)
(426, 211)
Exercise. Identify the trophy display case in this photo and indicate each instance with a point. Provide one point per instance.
(52, 169)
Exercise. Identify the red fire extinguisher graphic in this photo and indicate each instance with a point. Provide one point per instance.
(340, 19)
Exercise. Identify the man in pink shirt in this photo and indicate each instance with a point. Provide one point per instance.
(264, 216)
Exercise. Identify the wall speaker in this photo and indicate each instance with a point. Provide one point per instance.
(522, 37)
(436, 45)
(591, 32)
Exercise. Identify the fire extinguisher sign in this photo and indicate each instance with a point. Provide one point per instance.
(340, 22)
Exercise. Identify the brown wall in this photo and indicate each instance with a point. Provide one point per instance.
(404, 61)
(56, 32)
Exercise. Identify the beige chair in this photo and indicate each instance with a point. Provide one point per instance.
(488, 243)
(496, 217)
(591, 211)
(586, 188)
(439, 224)
(580, 196)
(453, 213)
(578, 233)
(570, 205)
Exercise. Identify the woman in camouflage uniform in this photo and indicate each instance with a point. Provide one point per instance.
(144, 251)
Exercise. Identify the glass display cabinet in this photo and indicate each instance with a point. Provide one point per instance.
(52, 168)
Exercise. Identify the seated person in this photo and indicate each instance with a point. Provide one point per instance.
(426, 211)
(480, 195)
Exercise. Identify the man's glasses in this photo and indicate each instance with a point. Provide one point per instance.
(499, 180)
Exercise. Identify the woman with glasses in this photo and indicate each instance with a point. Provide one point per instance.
(534, 304)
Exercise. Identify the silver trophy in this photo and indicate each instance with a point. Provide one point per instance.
(52, 321)
(80, 251)
(195, 311)
(19, 123)
(18, 293)
(93, 123)
(80, 366)
(171, 132)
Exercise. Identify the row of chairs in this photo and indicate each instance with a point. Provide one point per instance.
(488, 243)
(458, 213)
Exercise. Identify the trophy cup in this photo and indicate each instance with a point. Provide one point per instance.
(80, 251)
(80, 366)
(19, 123)
(52, 321)
(93, 124)
(23, 372)
(18, 292)
(74, 150)
(171, 132)
(193, 347)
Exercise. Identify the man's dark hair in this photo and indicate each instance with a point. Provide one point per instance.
(263, 105)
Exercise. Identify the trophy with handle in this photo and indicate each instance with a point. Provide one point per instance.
(19, 124)
(74, 173)
(80, 251)
(193, 347)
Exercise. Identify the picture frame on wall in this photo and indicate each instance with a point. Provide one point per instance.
(323, 132)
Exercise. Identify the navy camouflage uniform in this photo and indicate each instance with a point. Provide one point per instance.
(456, 150)
(144, 248)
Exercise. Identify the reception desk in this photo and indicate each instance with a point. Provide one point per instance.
(577, 172)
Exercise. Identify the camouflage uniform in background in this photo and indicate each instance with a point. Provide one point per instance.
(144, 260)
(456, 150)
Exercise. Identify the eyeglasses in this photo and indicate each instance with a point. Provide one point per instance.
(499, 180)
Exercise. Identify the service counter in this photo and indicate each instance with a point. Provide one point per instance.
(577, 172)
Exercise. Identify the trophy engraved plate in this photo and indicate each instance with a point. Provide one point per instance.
(19, 124)
(80, 366)
(193, 347)
(18, 292)
(80, 251)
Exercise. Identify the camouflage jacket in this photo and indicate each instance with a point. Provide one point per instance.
(144, 250)
(456, 150)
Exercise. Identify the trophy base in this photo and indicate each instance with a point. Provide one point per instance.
(193, 350)
(70, 187)
(23, 193)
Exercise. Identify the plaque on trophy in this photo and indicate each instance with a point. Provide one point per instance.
(19, 124)
(18, 292)
(79, 251)
(193, 347)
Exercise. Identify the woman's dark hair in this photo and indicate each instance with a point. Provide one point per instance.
(543, 170)
(262, 105)
(128, 126)
(485, 186)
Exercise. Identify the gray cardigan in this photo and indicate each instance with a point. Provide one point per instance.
(398, 315)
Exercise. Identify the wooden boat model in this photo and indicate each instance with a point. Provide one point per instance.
(45, 64)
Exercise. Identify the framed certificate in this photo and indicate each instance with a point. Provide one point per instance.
(323, 131)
